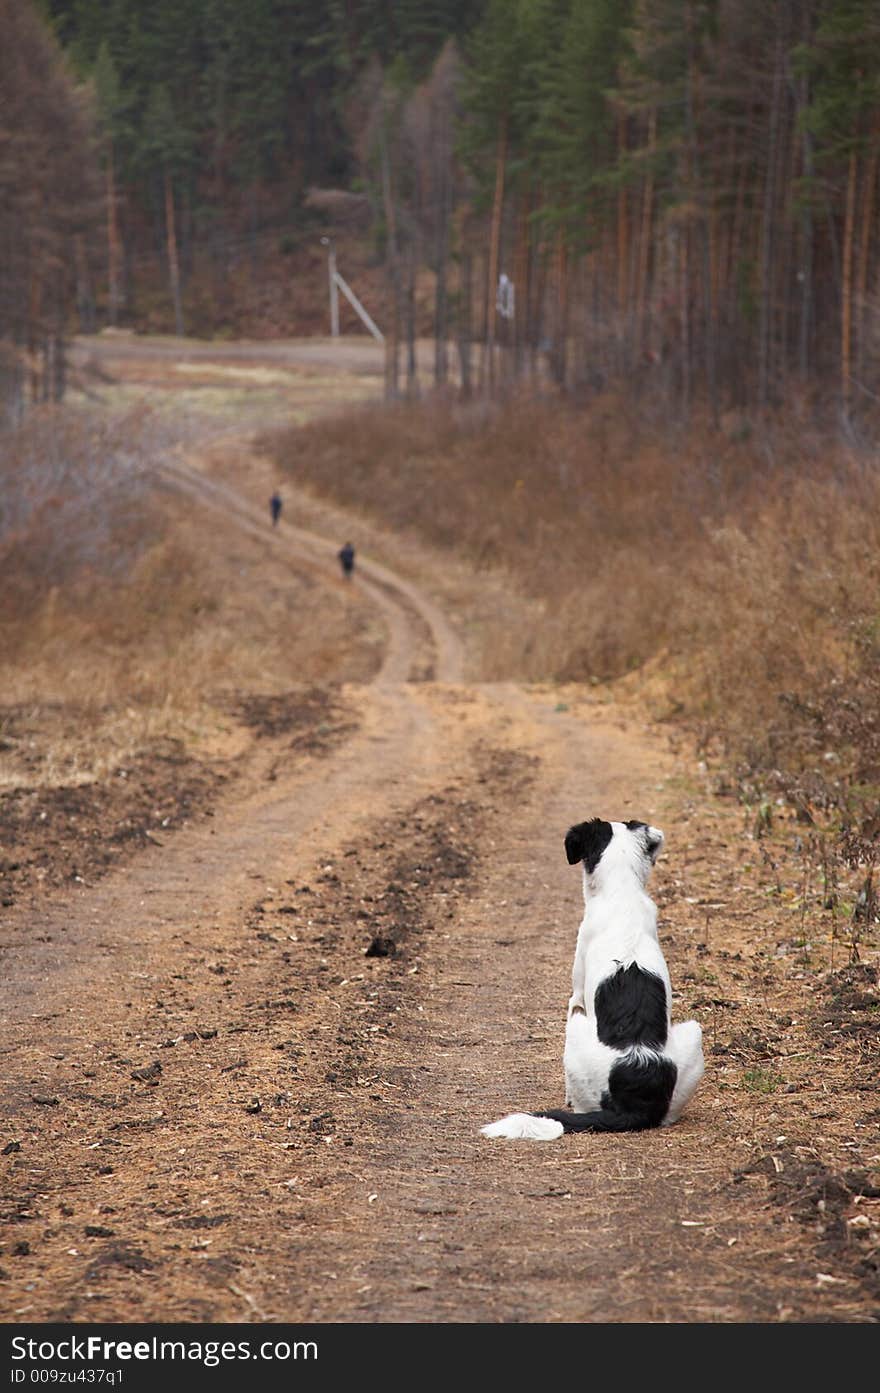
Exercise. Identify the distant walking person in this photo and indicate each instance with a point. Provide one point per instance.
(346, 559)
(275, 507)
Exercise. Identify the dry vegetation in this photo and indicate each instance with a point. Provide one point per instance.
(737, 576)
(128, 621)
(733, 580)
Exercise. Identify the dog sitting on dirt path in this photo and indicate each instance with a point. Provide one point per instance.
(627, 1067)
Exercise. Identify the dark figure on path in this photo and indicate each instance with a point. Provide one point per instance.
(346, 559)
(275, 507)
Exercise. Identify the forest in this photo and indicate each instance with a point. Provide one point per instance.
(680, 195)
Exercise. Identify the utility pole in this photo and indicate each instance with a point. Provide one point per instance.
(334, 288)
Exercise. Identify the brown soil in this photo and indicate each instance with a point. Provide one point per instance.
(257, 1005)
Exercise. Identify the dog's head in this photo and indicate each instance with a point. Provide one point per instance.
(596, 842)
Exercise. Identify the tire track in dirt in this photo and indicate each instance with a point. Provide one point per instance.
(107, 958)
(413, 621)
(394, 752)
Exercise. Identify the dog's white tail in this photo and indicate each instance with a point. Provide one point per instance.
(523, 1126)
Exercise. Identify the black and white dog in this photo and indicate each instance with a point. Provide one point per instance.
(627, 1067)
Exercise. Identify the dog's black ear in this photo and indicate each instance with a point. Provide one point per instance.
(586, 842)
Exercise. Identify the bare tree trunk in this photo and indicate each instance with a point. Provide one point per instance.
(805, 271)
(412, 376)
(36, 339)
(521, 284)
(867, 219)
(441, 293)
(645, 240)
(445, 197)
(765, 310)
(537, 313)
(392, 340)
(58, 382)
(113, 291)
(463, 326)
(622, 251)
(709, 340)
(846, 292)
(736, 232)
(560, 367)
(173, 264)
(494, 255)
(534, 291)
(392, 347)
(685, 323)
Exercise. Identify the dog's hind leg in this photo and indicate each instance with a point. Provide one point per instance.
(684, 1046)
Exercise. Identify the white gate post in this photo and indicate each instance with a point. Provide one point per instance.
(334, 289)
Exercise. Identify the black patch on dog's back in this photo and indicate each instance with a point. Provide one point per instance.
(631, 1009)
(586, 842)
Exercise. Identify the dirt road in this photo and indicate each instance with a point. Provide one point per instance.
(244, 1072)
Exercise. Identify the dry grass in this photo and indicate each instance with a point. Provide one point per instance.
(127, 619)
(743, 582)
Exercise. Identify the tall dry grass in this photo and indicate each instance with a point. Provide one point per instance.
(742, 573)
(95, 598)
(129, 616)
(86, 563)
